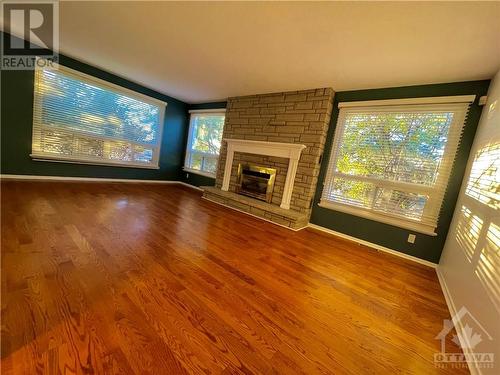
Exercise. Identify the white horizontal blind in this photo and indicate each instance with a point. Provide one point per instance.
(204, 141)
(392, 162)
(79, 118)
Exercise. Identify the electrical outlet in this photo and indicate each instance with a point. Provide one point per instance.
(411, 238)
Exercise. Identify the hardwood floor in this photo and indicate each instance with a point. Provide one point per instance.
(151, 279)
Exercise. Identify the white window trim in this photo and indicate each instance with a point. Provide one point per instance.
(100, 82)
(196, 171)
(383, 217)
(216, 111)
(111, 87)
(110, 163)
(406, 101)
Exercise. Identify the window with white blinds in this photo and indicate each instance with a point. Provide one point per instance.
(204, 141)
(391, 160)
(81, 119)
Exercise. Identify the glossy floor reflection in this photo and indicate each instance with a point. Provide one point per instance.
(132, 278)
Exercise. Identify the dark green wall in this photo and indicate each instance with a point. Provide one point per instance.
(211, 105)
(425, 247)
(16, 130)
(193, 178)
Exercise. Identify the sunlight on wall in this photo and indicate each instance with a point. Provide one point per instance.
(468, 230)
(488, 265)
(484, 180)
(478, 231)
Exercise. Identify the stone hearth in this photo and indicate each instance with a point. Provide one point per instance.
(297, 117)
(268, 211)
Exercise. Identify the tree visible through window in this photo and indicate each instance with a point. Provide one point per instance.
(394, 161)
(204, 141)
(80, 118)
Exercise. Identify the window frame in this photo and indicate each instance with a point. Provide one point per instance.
(108, 86)
(209, 112)
(435, 197)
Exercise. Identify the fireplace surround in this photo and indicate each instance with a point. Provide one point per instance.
(283, 131)
(289, 151)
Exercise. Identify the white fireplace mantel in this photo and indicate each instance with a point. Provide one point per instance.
(290, 151)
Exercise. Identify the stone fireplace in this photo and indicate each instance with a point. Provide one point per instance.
(284, 132)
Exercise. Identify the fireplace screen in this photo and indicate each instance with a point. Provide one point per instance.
(256, 182)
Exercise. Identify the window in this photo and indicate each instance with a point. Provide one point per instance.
(81, 119)
(204, 141)
(391, 159)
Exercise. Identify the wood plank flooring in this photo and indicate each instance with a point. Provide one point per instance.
(151, 279)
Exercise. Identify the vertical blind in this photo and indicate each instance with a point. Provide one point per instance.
(79, 118)
(204, 141)
(392, 162)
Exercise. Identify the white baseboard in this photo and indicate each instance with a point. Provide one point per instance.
(91, 179)
(373, 245)
(461, 333)
(446, 292)
(189, 185)
(258, 217)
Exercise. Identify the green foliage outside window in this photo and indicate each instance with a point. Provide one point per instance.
(205, 142)
(399, 147)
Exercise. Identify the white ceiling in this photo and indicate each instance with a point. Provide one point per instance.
(201, 52)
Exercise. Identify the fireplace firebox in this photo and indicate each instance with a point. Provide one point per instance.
(256, 181)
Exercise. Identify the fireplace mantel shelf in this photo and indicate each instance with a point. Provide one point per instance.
(290, 151)
(286, 150)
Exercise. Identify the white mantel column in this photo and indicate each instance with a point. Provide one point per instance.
(228, 166)
(290, 179)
